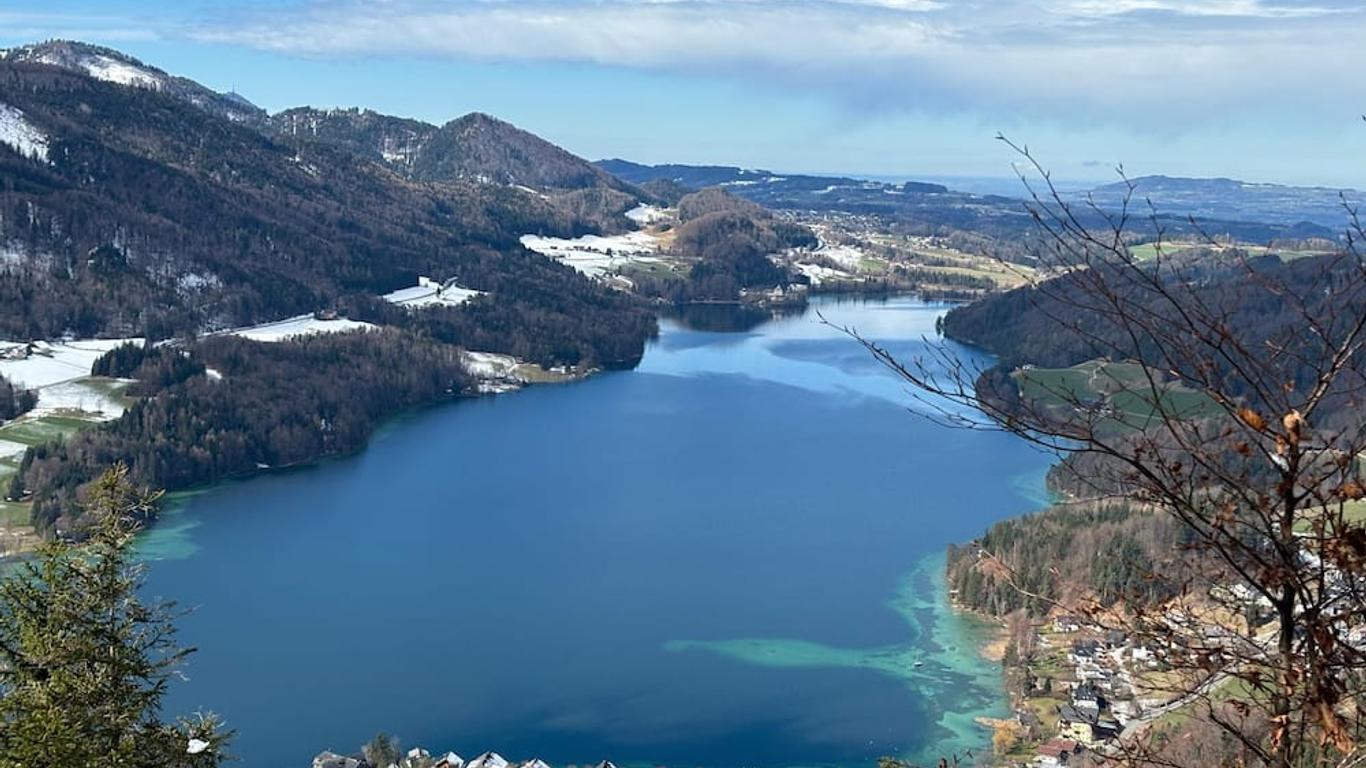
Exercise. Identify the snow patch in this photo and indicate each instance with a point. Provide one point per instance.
(846, 256)
(193, 281)
(48, 363)
(496, 373)
(83, 396)
(21, 135)
(490, 365)
(818, 273)
(594, 255)
(303, 325)
(429, 294)
(9, 450)
(121, 72)
(647, 214)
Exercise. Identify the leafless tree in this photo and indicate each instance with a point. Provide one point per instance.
(1247, 435)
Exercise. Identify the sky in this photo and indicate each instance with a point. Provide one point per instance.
(1261, 90)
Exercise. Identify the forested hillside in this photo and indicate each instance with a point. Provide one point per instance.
(1105, 551)
(266, 405)
(144, 215)
(135, 204)
(1056, 325)
(476, 148)
(729, 240)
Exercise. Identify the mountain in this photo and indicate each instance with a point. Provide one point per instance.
(1233, 200)
(119, 68)
(131, 210)
(474, 148)
(395, 141)
(698, 176)
(920, 208)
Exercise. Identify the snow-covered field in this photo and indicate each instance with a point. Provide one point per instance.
(90, 398)
(818, 273)
(594, 255)
(846, 256)
(55, 362)
(490, 365)
(21, 135)
(303, 325)
(647, 214)
(9, 450)
(496, 373)
(431, 295)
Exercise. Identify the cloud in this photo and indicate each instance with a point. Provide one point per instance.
(1149, 63)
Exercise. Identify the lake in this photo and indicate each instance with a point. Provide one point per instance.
(730, 556)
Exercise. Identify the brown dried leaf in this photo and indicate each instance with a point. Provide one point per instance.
(1251, 419)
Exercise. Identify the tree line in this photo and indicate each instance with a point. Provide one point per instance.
(267, 405)
(15, 400)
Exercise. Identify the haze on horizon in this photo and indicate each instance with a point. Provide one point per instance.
(1260, 90)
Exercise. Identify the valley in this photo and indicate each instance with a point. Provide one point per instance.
(305, 325)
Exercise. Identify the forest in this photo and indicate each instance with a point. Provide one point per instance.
(266, 406)
(1108, 551)
(729, 240)
(1021, 327)
(14, 400)
(153, 218)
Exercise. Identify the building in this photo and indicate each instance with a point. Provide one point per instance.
(334, 760)
(1086, 727)
(488, 760)
(1066, 624)
(1083, 651)
(1086, 696)
(1056, 752)
(449, 760)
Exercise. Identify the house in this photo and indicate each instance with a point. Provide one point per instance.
(537, 763)
(1086, 696)
(1066, 624)
(1056, 752)
(1083, 650)
(1084, 726)
(488, 760)
(417, 756)
(334, 760)
(449, 760)
(1124, 711)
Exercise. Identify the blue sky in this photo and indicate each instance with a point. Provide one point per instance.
(1265, 90)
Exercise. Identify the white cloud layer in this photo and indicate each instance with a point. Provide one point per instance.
(1139, 62)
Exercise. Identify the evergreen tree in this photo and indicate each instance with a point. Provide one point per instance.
(84, 662)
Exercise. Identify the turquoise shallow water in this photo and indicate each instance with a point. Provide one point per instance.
(730, 556)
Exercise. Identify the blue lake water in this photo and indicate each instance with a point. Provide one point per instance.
(729, 556)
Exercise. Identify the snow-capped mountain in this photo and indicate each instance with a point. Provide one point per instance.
(120, 68)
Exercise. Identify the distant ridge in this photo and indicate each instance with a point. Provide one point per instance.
(1232, 199)
(698, 176)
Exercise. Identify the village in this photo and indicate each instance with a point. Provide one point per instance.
(421, 758)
